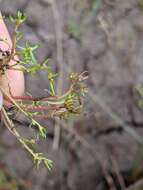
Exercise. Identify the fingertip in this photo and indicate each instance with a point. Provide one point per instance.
(5, 40)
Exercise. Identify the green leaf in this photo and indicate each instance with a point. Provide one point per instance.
(48, 163)
(11, 19)
(19, 35)
(20, 17)
(51, 78)
(45, 62)
(42, 131)
(27, 53)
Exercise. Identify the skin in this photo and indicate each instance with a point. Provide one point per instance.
(13, 80)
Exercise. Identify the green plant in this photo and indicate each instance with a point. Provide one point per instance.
(53, 106)
(139, 90)
(95, 6)
(140, 4)
(74, 29)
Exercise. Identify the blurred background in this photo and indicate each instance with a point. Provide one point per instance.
(102, 149)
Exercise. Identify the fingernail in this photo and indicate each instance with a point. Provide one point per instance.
(1, 100)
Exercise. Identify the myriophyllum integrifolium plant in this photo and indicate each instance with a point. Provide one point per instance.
(50, 107)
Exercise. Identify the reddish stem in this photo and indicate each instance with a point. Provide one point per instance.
(33, 99)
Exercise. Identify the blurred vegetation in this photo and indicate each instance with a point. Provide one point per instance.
(74, 29)
(95, 6)
(9, 183)
(140, 3)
